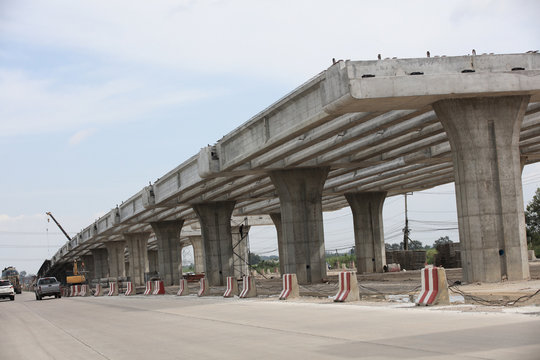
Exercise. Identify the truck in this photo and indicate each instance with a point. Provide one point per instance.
(48, 286)
(11, 274)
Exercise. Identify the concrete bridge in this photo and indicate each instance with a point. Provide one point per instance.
(353, 135)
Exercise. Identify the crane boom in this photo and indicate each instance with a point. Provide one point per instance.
(76, 278)
(60, 226)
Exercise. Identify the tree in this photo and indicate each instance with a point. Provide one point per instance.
(254, 259)
(442, 240)
(532, 214)
(415, 245)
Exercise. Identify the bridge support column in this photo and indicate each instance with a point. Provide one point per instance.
(368, 230)
(300, 197)
(115, 250)
(138, 256)
(240, 250)
(153, 262)
(88, 261)
(198, 254)
(101, 265)
(276, 219)
(215, 219)
(484, 137)
(169, 250)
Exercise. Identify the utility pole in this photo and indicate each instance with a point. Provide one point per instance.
(406, 229)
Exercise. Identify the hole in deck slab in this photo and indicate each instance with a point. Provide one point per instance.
(501, 252)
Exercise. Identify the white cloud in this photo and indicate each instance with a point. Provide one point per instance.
(33, 105)
(79, 136)
(270, 38)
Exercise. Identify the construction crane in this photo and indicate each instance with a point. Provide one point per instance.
(76, 278)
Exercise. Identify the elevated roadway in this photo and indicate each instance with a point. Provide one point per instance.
(353, 135)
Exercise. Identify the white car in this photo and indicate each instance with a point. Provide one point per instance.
(6, 290)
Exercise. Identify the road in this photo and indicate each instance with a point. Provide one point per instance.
(169, 327)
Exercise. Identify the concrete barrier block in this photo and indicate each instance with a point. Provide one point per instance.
(290, 287)
(348, 287)
(249, 288)
(232, 287)
(204, 288)
(98, 290)
(434, 287)
(130, 289)
(113, 289)
(159, 288)
(184, 289)
(85, 290)
(149, 288)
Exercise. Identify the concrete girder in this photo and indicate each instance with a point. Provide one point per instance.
(339, 139)
(369, 140)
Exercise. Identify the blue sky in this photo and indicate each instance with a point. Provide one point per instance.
(99, 97)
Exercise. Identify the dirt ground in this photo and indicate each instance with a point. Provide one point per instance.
(385, 286)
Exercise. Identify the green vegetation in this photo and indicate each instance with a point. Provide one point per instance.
(333, 259)
(188, 268)
(532, 219)
(431, 254)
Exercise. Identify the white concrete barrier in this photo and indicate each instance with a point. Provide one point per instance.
(232, 287)
(148, 290)
(184, 289)
(65, 291)
(113, 289)
(85, 290)
(98, 290)
(75, 290)
(434, 287)
(130, 289)
(159, 288)
(204, 289)
(249, 288)
(348, 287)
(290, 287)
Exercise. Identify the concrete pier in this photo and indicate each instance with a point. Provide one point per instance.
(169, 251)
(368, 230)
(300, 197)
(101, 265)
(138, 256)
(276, 219)
(88, 261)
(215, 220)
(198, 254)
(153, 264)
(115, 252)
(484, 138)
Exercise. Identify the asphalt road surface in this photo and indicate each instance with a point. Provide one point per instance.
(169, 327)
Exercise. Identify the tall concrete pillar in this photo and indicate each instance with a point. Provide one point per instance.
(240, 250)
(153, 263)
(88, 261)
(484, 137)
(138, 256)
(276, 219)
(101, 265)
(115, 251)
(169, 250)
(368, 230)
(215, 220)
(198, 254)
(300, 197)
